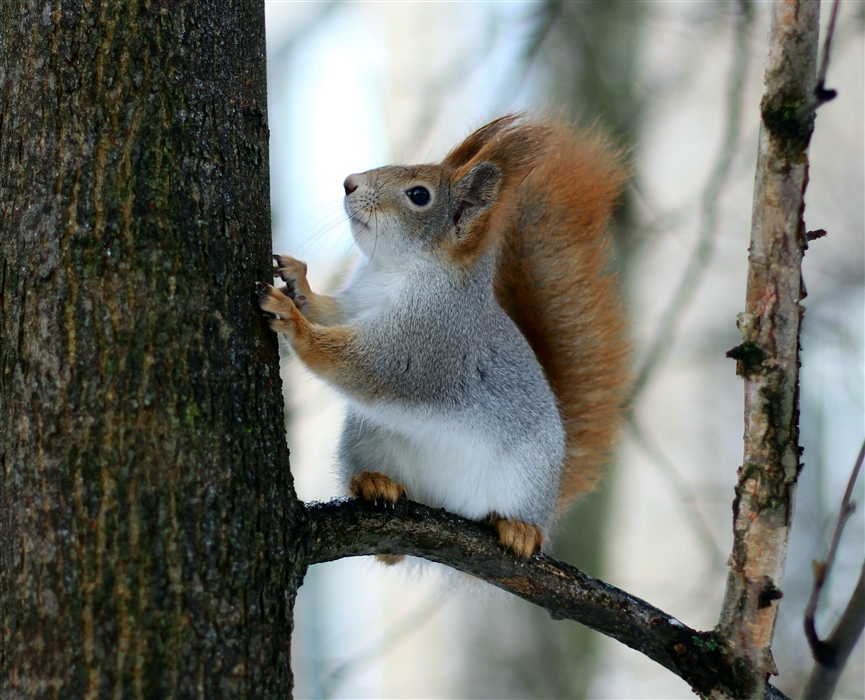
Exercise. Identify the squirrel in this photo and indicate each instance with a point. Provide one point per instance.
(480, 343)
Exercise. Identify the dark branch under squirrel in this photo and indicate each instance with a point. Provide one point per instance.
(347, 528)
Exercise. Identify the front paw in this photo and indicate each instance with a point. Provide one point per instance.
(282, 309)
(291, 271)
(375, 487)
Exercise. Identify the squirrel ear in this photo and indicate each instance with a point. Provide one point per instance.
(510, 147)
(499, 157)
(469, 148)
(476, 192)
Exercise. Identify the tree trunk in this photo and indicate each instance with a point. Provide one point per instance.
(149, 529)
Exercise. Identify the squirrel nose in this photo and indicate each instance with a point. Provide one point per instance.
(350, 184)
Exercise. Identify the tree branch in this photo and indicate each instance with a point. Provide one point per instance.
(345, 528)
(822, 95)
(768, 358)
(830, 656)
(826, 674)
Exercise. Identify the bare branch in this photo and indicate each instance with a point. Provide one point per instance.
(822, 568)
(346, 528)
(831, 655)
(827, 44)
(821, 94)
(768, 358)
(826, 674)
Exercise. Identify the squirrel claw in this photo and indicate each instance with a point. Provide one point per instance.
(372, 486)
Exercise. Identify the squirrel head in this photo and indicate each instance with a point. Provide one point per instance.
(453, 209)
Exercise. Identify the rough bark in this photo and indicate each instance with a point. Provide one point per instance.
(147, 515)
(768, 358)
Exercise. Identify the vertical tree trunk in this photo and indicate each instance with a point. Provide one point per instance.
(147, 515)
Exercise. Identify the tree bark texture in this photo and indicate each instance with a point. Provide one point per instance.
(768, 358)
(147, 514)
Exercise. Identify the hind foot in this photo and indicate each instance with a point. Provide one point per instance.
(522, 539)
(375, 487)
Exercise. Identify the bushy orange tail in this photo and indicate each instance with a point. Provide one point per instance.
(553, 281)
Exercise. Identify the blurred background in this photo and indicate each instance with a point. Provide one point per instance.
(359, 85)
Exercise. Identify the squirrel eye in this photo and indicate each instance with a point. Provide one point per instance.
(419, 195)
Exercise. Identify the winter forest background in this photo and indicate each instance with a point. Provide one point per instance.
(357, 85)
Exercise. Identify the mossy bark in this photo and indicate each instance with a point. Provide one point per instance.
(149, 540)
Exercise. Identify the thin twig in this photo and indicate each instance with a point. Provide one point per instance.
(821, 94)
(687, 288)
(827, 44)
(823, 652)
(824, 677)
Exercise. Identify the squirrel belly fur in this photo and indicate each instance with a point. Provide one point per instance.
(480, 343)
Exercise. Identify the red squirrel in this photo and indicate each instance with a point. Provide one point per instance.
(480, 343)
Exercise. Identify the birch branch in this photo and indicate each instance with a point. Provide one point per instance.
(768, 358)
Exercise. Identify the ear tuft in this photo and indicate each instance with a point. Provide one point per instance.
(472, 144)
(512, 145)
(486, 168)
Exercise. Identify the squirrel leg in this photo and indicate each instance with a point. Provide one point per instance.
(522, 539)
(318, 308)
(328, 351)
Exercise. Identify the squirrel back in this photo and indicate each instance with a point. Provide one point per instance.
(552, 279)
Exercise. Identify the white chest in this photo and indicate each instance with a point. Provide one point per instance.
(452, 462)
